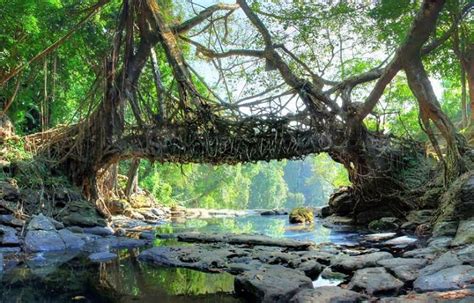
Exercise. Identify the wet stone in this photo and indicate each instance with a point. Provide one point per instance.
(271, 284)
(375, 281)
(456, 277)
(327, 294)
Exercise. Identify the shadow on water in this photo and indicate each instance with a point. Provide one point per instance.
(123, 280)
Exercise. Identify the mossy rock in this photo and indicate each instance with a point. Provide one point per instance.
(301, 215)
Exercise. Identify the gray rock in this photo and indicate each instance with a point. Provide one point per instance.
(384, 224)
(123, 242)
(43, 240)
(405, 269)
(448, 259)
(456, 277)
(271, 284)
(76, 229)
(466, 254)
(9, 191)
(98, 230)
(238, 239)
(429, 252)
(327, 294)
(8, 236)
(57, 224)
(345, 263)
(102, 257)
(71, 240)
(464, 234)
(375, 281)
(445, 228)
(379, 236)
(327, 273)
(10, 250)
(458, 296)
(1, 263)
(311, 269)
(147, 235)
(402, 241)
(41, 222)
(11, 221)
(440, 242)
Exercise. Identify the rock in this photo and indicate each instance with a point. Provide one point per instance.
(420, 216)
(1, 263)
(409, 226)
(301, 215)
(368, 216)
(243, 239)
(147, 235)
(10, 250)
(98, 230)
(466, 255)
(11, 221)
(82, 213)
(274, 212)
(118, 206)
(384, 224)
(401, 241)
(430, 199)
(446, 260)
(141, 201)
(43, 240)
(8, 236)
(76, 229)
(325, 211)
(327, 294)
(311, 269)
(440, 242)
(9, 191)
(327, 273)
(57, 224)
(41, 222)
(456, 277)
(337, 221)
(375, 281)
(461, 296)
(347, 264)
(341, 202)
(271, 284)
(445, 229)
(405, 269)
(71, 240)
(464, 234)
(379, 237)
(102, 257)
(429, 252)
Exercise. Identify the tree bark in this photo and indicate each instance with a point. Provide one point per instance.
(132, 175)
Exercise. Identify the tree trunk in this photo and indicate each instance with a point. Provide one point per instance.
(132, 175)
(430, 110)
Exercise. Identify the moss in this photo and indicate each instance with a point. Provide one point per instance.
(301, 215)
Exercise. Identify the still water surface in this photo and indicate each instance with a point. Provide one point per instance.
(72, 278)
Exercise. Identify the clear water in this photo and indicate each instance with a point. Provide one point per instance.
(274, 226)
(72, 278)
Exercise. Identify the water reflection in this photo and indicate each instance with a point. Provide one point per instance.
(275, 226)
(123, 280)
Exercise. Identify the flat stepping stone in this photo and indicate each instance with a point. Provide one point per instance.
(327, 294)
(375, 281)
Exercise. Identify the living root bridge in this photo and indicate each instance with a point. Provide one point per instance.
(177, 144)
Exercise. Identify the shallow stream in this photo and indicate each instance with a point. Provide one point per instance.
(72, 278)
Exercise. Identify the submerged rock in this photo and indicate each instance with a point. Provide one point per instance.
(375, 281)
(301, 215)
(456, 277)
(271, 284)
(327, 294)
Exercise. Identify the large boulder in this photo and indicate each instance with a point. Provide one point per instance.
(43, 240)
(301, 215)
(375, 281)
(327, 294)
(341, 202)
(465, 233)
(41, 222)
(347, 264)
(456, 277)
(271, 284)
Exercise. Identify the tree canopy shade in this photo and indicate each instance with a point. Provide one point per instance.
(249, 81)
